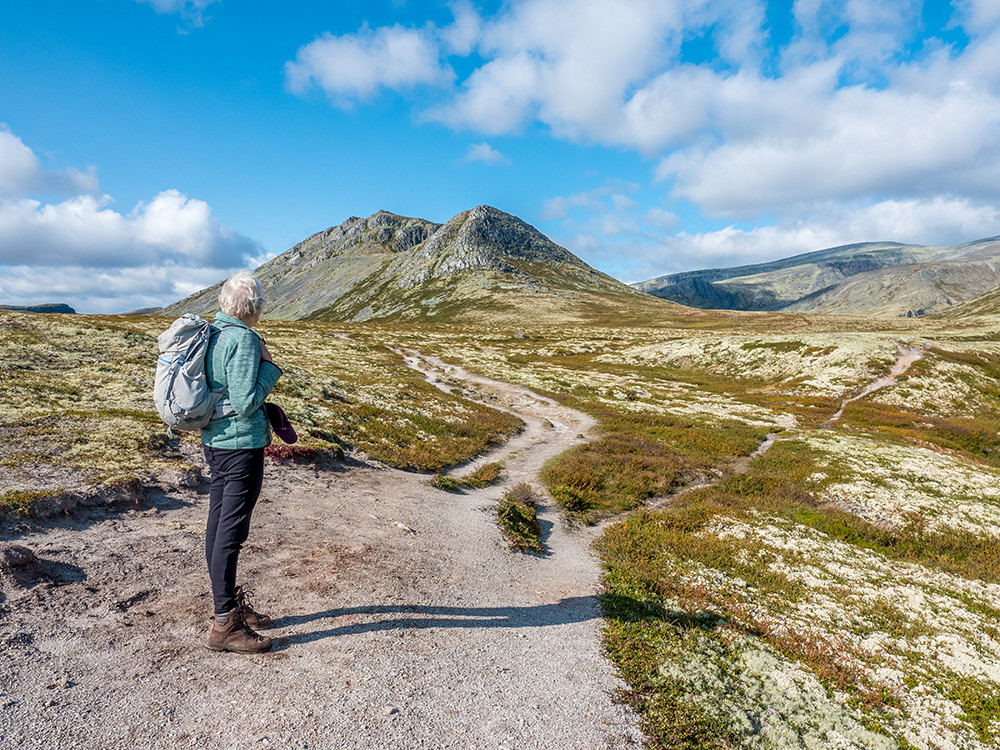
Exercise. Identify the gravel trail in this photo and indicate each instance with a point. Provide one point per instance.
(401, 619)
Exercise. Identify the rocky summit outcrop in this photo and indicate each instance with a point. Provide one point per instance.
(390, 267)
(877, 278)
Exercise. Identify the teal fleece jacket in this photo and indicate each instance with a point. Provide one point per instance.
(233, 364)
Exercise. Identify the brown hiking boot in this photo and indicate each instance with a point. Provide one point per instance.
(236, 636)
(253, 618)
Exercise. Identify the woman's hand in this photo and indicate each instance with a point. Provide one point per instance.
(265, 355)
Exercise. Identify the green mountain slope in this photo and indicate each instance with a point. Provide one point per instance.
(985, 305)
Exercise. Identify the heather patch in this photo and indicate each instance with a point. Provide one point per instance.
(517, 516)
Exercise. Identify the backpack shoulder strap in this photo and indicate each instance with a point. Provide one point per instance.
(216, 330)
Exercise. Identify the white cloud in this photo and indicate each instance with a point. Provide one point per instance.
(82, 251)
(191, 11)
(610, 198)
(861, 106)
(485, 153)
(566, 62)
(863, 142)
(21, 172)
(560, 206)
(105, 290)
(497, 98)
(19, 167)
(856, 105)
(462, 36)
(979, 15)
(84, 231)
(356, 66)
(662, 218)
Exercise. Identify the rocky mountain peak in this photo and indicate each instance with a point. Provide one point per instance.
(390, 265)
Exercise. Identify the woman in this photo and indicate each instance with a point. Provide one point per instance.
(239, 364)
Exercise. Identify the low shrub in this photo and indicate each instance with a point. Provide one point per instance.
(19, 502)
(517, 517)
(294, 453)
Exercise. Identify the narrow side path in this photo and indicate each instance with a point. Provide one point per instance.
(906, 356)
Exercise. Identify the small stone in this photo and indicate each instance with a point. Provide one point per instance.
(389, 711)
(51, 702)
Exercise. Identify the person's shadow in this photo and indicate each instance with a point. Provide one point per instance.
(417, 616)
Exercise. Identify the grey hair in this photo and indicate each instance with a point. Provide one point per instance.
(242, 296)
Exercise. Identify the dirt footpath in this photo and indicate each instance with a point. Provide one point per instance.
(401, 619)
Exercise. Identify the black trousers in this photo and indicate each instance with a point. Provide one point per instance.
(236, 479)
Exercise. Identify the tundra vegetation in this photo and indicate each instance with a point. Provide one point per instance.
(841, 589)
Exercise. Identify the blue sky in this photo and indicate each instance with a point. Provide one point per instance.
(150, 147)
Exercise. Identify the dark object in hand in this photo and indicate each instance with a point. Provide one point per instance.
(279, 423)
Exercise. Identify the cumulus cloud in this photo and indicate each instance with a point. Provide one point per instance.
(86, 231)
(979, 15)
(463, 35)
(610, 198)
(662, 218)
(862, 142)
(485, 153)
(356, 66)
(565, 62)
(83, 251)
(21, 172)
(105, 291)
(855, 105)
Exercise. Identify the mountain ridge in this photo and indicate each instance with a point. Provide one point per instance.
(49, 308)
(389, 267)
(886, 278)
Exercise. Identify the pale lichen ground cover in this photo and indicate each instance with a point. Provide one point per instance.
(892, 485)
(943, 386)
(620, 388)
(832, 364)
(916, 632)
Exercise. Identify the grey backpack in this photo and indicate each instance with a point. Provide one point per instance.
(181, 392)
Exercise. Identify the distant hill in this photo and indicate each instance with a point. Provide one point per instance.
(985, 305)
(883, 278)
(480, 263)
(145, 311)
(50, 308)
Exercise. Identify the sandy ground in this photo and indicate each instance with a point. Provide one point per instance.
(401, 619)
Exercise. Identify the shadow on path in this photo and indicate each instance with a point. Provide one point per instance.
(409, 616)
